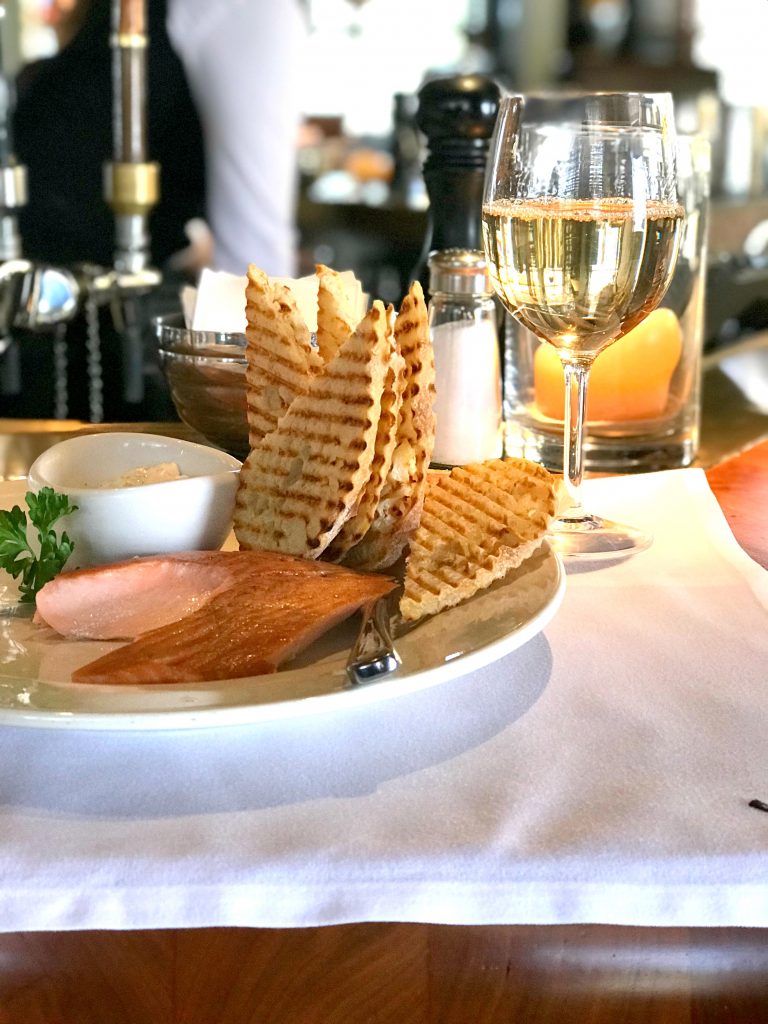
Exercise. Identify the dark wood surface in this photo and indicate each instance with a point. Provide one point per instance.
(408, 974)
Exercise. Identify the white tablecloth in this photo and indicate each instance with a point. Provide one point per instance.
(601, 773)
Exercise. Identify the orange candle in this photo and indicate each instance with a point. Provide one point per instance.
(629, 380)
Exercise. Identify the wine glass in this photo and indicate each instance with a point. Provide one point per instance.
(581, 227)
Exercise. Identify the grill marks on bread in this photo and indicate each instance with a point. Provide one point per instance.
(356, 527)
(336, 311)
(303, 480)
(402, 495)
(280, 358)
(478, 522)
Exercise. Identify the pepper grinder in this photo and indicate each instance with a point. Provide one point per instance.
(457, 115)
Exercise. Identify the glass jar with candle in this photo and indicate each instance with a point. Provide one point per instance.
(643, 406)
(463, 325)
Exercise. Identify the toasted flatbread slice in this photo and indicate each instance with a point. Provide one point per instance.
(278, 353)
(478, 522)
(304, 478)
(337, 311)
(288, 307)
(400, 503)
(356, 527)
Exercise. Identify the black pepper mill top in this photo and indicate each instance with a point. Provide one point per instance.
(457, 115)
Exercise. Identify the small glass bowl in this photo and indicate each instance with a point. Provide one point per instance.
(205, 372)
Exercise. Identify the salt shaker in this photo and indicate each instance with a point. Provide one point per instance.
(463, 326)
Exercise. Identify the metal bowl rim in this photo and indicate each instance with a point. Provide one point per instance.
(172, 333)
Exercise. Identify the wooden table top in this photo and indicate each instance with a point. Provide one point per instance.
(409, 974)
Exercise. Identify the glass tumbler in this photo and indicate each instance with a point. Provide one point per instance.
(644, 402)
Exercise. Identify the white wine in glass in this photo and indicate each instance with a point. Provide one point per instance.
(581, 227)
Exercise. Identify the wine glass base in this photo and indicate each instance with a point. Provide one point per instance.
(592, 538)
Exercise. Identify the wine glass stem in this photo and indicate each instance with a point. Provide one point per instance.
(574, 423)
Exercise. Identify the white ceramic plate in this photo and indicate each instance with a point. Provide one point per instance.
(35, 664)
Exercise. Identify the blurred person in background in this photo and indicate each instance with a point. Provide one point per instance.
(223, 118)
(244, 60)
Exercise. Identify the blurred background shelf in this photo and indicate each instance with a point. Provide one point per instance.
(361, 198)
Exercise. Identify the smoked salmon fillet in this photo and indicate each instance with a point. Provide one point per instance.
(121, 601)
(253, 611)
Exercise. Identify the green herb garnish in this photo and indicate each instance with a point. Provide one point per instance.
(16, 555)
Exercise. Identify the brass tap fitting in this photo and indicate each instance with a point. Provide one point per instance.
(131, 188)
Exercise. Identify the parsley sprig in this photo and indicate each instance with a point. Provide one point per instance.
(17, 556)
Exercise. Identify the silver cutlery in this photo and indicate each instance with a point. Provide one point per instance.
(373, 654)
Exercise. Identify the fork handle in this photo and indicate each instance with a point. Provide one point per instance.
(374, 653)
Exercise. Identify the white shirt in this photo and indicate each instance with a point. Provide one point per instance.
(244, 60)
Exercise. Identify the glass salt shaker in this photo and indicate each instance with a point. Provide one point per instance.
(463, 326)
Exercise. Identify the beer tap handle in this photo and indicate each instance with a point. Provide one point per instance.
(131, 181)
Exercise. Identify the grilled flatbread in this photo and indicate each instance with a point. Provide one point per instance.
(299, 485)
(279, 354)
(402, 496)
(478, 522)
(288, 308)
(356, 527)
(337, 311)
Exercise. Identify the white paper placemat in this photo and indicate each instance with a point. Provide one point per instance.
(602, 773)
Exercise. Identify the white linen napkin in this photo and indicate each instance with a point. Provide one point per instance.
(601, 773)
(218, 302)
